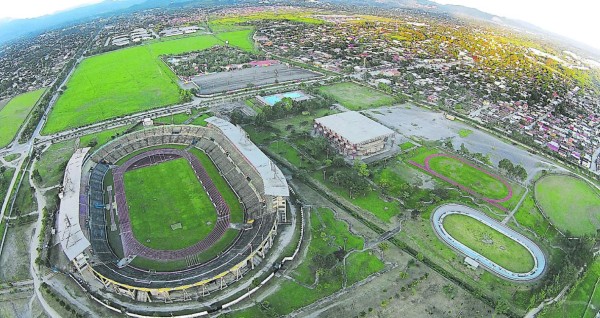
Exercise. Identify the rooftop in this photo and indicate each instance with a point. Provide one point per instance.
(354, 127)
(273, 179)
(71, 237)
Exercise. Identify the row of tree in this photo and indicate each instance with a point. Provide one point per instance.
(515, 171)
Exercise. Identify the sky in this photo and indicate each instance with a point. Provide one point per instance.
(20, 9)
(575, 19)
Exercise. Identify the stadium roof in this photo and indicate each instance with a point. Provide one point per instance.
(71, 237)
(354, 127)
(273, 179)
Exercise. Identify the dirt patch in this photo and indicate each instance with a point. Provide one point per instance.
(406, 291)
(19, 305)
(14, 261)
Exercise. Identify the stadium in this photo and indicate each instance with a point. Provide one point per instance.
(170, 213)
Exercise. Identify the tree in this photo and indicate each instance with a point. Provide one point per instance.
(361, 168)
(327, 163)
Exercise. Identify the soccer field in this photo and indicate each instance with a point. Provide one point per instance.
(356, 97)
(162, 198)
(128, 81)
(570, 203)
(488, 242)
(14, 113)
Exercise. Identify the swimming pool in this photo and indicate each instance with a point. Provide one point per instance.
(274, 99)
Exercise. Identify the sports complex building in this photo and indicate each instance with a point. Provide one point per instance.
(353, 134)
(94, 226)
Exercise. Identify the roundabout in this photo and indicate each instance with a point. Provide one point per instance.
(517, 245)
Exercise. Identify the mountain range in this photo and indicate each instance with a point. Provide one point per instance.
(14, 29)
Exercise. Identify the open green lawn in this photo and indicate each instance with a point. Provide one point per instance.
(465, 132)
(356, 97)
(288, 152)
(200, 121)
(583, 300)
(406, 145)
(371, 201)
(167, 194)
(488, 242)
(53, 161)
(570, 203)
(470, 177)
(98, 139)
(528, 215)
(14, 113)
(175, 119)
(12, 157)
(330, 242)
(127, 81)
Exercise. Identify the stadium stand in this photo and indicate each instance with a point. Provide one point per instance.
(258, 183)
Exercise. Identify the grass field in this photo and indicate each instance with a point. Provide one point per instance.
(406, 145)
(331, 241)
(101, 138)
(356, 97)
(53, 161)
(502, 250)
(11, 157)
(470, 177)
(207, 255)
(288, 152)
(127, 81)
(14, 113)
(570, 203)
(583, 300)
(162, 195)
(371, 201)
(465, 132)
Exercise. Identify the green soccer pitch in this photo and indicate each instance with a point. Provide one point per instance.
(166, 195)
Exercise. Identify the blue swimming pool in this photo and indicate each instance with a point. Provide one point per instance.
(274, 99)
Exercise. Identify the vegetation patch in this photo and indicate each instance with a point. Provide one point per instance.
(465, 132)
(356, 97)
(134, 78)
(570, 203)
(53, 162)
(14, 113)
(469, 176)
(330, 243)
(168, 207)
(488, 242)
(584, 298)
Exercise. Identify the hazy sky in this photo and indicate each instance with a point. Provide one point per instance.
(19, 9)
(575, 19)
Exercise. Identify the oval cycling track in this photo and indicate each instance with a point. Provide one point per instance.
(539, 258)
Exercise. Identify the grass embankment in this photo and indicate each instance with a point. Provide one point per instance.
(330, 242)
(14, 113)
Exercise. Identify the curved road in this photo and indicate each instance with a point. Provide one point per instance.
(539, 258)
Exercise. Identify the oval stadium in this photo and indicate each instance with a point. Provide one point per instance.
(170, 212)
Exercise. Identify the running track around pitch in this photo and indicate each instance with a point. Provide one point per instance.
(495, 202)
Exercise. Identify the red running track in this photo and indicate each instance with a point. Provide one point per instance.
(131, 246)
(494, 202)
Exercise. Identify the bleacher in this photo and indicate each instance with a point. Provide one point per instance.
(238, 172)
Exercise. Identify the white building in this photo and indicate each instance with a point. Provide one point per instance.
(353, 134)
